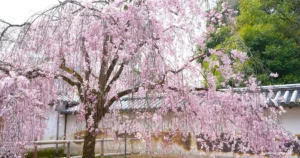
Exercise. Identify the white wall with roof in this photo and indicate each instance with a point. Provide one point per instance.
(289, 120)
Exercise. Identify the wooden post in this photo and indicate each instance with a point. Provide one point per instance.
(102, 148)
(125, 145)
(68, 150)
(57, 134)
(35, 151)
(131, 146)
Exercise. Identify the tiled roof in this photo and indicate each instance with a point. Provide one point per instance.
(128, 103)
(66, 105)
(286, 95)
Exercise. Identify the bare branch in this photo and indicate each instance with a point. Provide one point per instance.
(72, 72)
(9, 26)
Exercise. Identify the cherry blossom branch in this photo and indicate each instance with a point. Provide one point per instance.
(191, 60)
(9, 26)
(119, 95)
(28, 74)
(133, 90)
(105, 2)
(82, 6)
(111, 67)
(102, 75)
(87, 60)
(191, 90)
(34, 74)
(72, 83)
(115, 78)
(72, 72)
(5, 70)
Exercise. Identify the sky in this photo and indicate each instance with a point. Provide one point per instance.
(18, 11)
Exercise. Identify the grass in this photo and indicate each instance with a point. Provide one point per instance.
(47, 153)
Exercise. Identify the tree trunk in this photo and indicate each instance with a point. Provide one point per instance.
(90, 137)
(89, 145)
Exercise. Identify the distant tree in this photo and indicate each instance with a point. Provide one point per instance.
(105, 50)
(222, 35)
(269, 32)
(270, 29)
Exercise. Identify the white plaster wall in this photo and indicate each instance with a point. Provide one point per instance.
(51, 127)
(73, 127)
(291, 120)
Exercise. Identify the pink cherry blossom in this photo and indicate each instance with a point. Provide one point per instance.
(105, 51)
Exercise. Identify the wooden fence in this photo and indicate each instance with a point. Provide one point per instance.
(68, 142)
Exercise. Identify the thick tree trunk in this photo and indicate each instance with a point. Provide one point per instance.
(89, 145)
(90, 137)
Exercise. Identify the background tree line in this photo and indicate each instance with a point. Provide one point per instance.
(269, 31)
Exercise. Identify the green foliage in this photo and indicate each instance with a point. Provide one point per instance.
(269, 29)
(226, 39)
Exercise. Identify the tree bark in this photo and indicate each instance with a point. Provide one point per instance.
(89, 145)
(90, 137)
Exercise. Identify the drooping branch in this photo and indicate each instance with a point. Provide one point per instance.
(149, 87)
(82, 6)
(105, 2)
(10, 26)
(161, 82)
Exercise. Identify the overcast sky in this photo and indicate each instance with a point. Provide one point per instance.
(18, 11)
